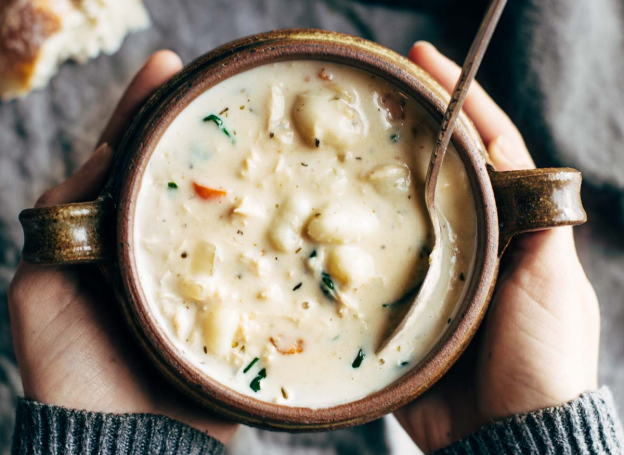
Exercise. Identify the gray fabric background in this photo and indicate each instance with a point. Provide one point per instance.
(556, 67)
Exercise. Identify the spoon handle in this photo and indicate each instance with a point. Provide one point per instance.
(469, 70)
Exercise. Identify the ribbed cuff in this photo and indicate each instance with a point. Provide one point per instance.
(587, 425)
(45, 429)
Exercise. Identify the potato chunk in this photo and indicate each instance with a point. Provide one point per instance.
(193, 289)
(327, 117)
(256, 263)
(390, 178)
(341, 224)
(350, 264)
(220, 326)
(202, 288)
(203, 258)
(285, 231)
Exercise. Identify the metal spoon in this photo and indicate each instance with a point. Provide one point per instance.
(469, 70)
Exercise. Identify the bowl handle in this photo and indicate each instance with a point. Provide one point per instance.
(536, 199)
(77, 233)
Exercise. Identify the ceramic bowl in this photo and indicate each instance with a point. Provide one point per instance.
(100, 232)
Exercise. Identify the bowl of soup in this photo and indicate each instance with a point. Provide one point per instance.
(270, 230)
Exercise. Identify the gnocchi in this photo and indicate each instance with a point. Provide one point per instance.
(351, 264)
(285, 231)
(326, 117)
(390, 178)
(339, 223)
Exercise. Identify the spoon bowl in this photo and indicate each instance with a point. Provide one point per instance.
(468, 73)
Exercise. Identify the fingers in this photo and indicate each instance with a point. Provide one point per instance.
(505, 144)
(497, 130)
(160, 67)
(87, 182)
(506, 156)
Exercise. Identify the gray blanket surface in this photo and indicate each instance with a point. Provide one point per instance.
(556, 67)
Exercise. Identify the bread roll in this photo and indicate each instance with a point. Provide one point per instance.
(36, 36)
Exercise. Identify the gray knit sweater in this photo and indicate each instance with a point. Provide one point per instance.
(587, 425)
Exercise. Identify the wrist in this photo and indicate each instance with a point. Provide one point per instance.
(525, 402)
(44, 426)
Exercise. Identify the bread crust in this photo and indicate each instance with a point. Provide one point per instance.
(24, 27)
(36, 36)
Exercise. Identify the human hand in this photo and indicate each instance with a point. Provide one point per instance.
(538, 346)
(71, 345)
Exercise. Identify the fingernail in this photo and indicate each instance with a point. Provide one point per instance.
(99, 159)
(424, 44)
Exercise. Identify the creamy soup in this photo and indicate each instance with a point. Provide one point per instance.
(281, 232)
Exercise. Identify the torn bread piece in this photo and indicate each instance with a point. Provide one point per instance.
(36, 36)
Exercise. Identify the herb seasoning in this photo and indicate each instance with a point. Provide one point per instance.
(251, 364)
(358, 359)
(217, 121)
(255, 384)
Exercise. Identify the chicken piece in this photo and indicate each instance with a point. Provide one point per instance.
(287, 346)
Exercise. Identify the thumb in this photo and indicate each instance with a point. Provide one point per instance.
(87, 182)
(541, 257)
(84, 184)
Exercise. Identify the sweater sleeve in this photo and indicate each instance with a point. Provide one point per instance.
(587, 425)
(45, 429)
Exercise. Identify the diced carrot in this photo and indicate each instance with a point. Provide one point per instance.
(205, 192)
(325, 75)
(395, 105)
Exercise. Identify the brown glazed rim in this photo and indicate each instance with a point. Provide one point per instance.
(234, 58)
